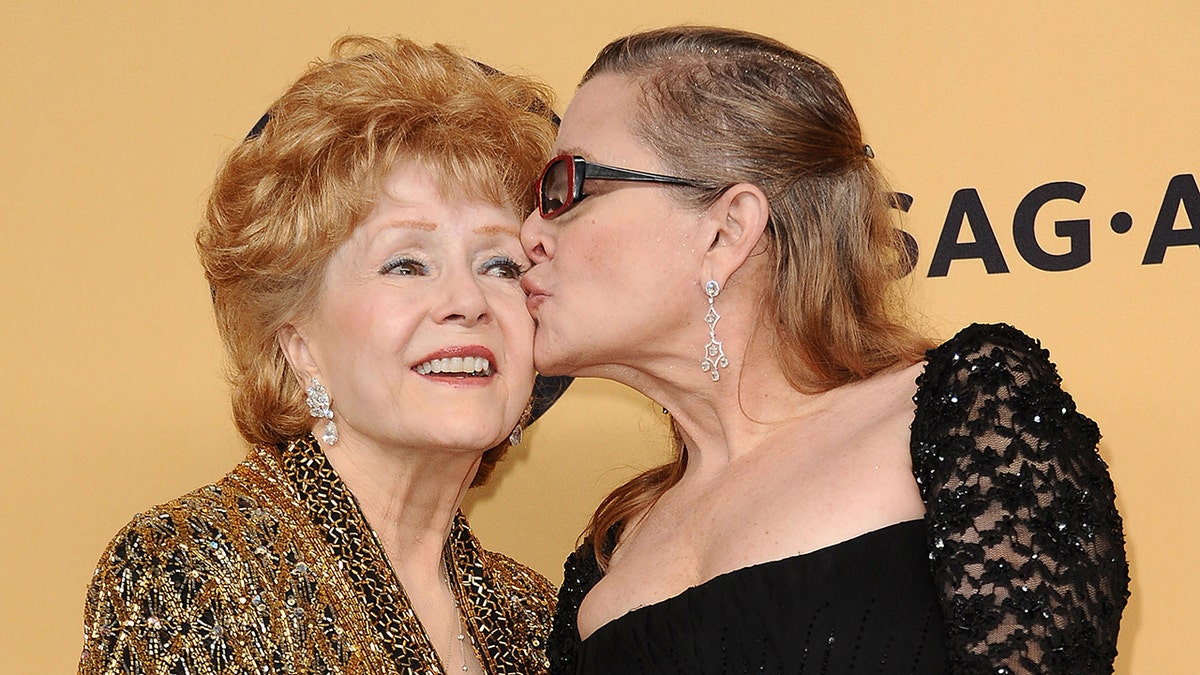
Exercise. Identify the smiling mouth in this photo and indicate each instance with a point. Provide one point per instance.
(456, 366)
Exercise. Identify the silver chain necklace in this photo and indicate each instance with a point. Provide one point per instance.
(457, 631)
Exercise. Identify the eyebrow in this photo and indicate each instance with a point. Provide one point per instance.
(414, 225)
(427, 226)
(499, 229)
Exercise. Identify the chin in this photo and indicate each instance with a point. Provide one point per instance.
(561, 359)
(474, 439)
(478, 425)
(551, 369)
(551, 361)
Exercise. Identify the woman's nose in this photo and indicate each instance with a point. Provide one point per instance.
(535, 238)
(463, 299)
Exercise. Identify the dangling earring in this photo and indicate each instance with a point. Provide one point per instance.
(518, 433)
(714, 353)
(318, 406)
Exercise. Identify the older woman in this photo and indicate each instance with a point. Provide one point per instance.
(363, 252)
(714, 234)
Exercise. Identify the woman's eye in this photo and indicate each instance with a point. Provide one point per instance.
(405, 267)
(503, 267)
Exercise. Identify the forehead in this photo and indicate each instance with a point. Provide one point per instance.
(598, 123)
(414, 198)
(424, 180)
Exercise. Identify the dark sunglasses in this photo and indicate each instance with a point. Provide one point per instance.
(561, 184)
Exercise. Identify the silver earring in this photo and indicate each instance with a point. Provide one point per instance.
(318, 406)
(714, 353)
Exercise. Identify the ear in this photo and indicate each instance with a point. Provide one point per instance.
(738, 220)
(296, 351)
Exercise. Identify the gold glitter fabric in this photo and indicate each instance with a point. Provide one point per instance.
(273, 569)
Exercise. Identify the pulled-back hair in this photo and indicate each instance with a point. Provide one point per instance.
(293, 192)
(722, 107)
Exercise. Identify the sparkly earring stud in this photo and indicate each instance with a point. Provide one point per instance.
(319, 407)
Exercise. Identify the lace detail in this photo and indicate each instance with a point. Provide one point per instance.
(1025, 539)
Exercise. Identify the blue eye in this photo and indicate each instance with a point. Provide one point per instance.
(405, 267)
(503, 267)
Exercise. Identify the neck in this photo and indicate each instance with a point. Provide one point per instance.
(725, 419)
(409, 497)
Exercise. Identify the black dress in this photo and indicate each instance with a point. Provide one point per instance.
(1018, 567)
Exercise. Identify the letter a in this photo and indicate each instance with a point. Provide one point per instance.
(1181, 190)
(966, 206)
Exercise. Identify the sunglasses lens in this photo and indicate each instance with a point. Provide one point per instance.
(555, 194)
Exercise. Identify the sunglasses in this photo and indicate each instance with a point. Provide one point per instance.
(561, 184)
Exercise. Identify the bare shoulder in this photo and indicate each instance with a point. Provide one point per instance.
(826, 478)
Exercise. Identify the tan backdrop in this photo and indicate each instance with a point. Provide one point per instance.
(115, 116)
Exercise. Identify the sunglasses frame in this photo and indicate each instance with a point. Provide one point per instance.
(580, 170)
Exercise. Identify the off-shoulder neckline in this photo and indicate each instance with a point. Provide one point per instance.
(754, 567)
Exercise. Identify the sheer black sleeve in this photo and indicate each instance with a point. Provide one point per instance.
(1025, 539)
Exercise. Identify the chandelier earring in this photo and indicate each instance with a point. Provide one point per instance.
(714, 352)
(318, 406)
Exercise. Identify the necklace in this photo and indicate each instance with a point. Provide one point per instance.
(457, 632)
(462, 644)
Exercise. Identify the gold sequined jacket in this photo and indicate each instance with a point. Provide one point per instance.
(273, 569)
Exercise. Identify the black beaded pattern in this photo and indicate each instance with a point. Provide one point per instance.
(581, 572)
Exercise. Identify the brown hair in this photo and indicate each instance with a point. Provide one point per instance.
(286, 198)
(722, 107)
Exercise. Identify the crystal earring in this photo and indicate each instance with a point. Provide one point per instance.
(518, 433)
(714, 353)
(318, 406)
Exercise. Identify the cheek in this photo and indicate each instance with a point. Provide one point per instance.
(597, 258)
(508, 306)
(339, 321)
(519, 336)
(375, 328)
(629, 265)
(518, 330)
